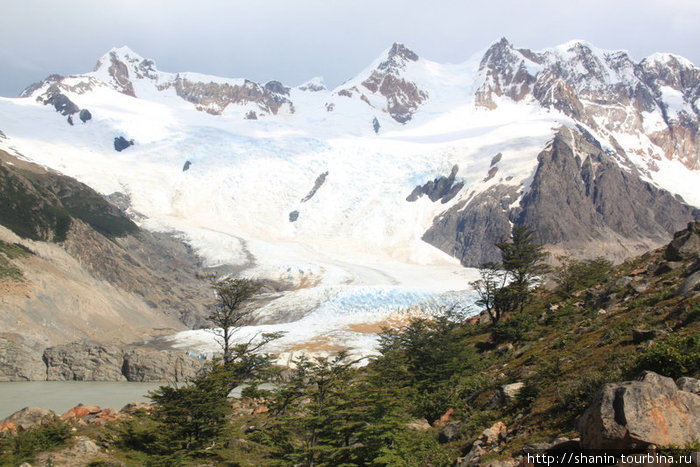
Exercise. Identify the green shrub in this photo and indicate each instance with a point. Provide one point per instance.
(24, 445)
(675, 356)
(514, 328)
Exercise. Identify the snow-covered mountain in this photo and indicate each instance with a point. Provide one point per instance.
(364, 199)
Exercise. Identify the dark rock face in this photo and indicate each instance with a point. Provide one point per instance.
(580, 194)
(442, 188)
(636, 414)
(320, 180)
(85, 115)
(62, 104)
(469, 229)
(121, 143)
(277, 88)
(186, 166)
(579, 198)
(375, 125)
(293, 216)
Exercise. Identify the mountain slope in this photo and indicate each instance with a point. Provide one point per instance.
(319, 190)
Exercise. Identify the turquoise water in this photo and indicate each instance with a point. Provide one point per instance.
(60, 396)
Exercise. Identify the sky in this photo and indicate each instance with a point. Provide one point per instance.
(294, 40)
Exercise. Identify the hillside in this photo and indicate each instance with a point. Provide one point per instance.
(492, 395)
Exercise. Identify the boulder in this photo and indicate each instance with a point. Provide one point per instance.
(29, 417)
(511, 391)
(495, 434)
(451, 431)
(688, 384)
(685, 244)
(690, 286)
(121, 143)
(85, 115)
(637, 414)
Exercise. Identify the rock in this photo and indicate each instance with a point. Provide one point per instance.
(121, 143)
(690, 286)
(450, 432)
(636, 414)
(62, 104)
(495, 434)
(375, 125)
(29, 417)
(20, 359)
(643, 335)
(145, 365)
(84, 361)
(444, 418)
(293, 216)
(87, 446)
(441, 188)
(469, 229)
(85, 115)
(186, 166)
(666, 267)
(688, 384)
(420, 424)
(685, 244)
(320, 180)
(510, 391)
(133, 407)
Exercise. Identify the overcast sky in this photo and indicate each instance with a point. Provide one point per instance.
(295, 40)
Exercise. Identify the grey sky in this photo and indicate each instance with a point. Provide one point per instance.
(294, 40)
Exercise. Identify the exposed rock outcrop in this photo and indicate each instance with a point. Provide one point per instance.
(92, 361)
(442, 188)
(20, 359)
(151, 365)
(580, 200)
(469, 229)
(84, 361)
(636, 414)
(605, 90)
(121, 143)
(320, 180)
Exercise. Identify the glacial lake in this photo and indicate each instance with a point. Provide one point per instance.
(60, 396)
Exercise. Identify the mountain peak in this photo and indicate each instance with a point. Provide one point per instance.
(401, 51)
(121, 65)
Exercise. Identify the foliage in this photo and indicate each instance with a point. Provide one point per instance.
(24, 445)
(491, 290)
(514, 329)
(228, 314)
(573, 274)
(675, 356)
(522, 261)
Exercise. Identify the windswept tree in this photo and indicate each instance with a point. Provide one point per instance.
(523, 263)
(229, 313)
(506, 287)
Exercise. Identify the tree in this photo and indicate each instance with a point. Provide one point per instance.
(229, 314)
(489, 289)
(523, 262)
(573, 274)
